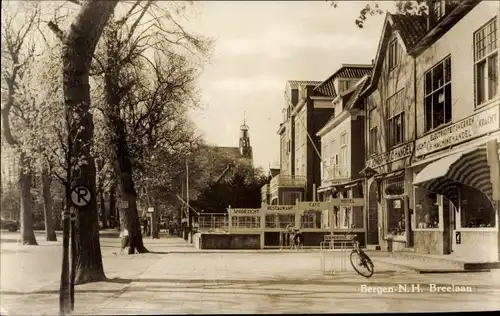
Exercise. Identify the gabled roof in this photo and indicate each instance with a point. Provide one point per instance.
(294, 84)
(326, 88)
(352, 95)
(458, 11)
(273, 172)
(360, 87)
(410, 28)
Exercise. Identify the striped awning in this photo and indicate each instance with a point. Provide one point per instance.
(469, 168)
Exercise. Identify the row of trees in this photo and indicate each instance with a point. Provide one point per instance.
(97, 93)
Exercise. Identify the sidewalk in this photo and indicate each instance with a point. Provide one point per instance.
(285, 283)
(176, 279)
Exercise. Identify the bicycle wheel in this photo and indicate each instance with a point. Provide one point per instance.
(362, 264)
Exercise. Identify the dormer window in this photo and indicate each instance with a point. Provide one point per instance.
(438, 9)
(344, 85)
(393, 54)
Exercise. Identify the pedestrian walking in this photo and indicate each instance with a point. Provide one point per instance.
(124, 240)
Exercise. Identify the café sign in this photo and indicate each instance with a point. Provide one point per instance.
(390, 156)
(245, 211)
(316, 206)
(468, 128)
(319, 206)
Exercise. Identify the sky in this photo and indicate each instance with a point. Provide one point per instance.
(258, 47)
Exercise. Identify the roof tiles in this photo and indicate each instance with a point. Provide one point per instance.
(327, 88)
(410, 27)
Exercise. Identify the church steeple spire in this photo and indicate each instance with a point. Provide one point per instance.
(245, 148)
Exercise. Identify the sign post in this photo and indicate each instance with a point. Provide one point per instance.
(80, 196)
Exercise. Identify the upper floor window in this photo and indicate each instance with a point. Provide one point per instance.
(396, 119)
(373, 130)
(343, 148)
(438, 9)
(486, 62)
(438, 95)
(324, 158)
(393, 54)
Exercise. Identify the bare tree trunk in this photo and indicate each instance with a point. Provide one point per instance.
(112, 201)
(102, 210)
(79, 44)
(48, 207)
(120, 154)
(25, 182)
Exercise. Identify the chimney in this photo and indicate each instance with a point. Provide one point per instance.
(430, 14)
(373, 62)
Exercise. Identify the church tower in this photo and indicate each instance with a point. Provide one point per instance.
(245, 148)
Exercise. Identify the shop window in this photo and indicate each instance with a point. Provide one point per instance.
(271, 221)
(346, 218)
(395, 217)
(245, 221)
(476, 210)
(311, 219)
(286, 220)
(486, 62)
(426, 209)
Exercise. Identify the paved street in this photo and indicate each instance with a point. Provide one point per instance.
(179, 279)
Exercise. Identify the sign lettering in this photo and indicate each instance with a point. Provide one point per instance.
(319, 206)
(470, 127)
(280, 207)
(390, 156)
(245, 211)
(316, 206)
(81, 196)
(349, 202)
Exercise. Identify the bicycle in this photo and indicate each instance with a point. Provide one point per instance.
(359, 259)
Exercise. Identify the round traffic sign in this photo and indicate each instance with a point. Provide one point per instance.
(81, 195)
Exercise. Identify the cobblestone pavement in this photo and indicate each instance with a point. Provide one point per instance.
(239, 282)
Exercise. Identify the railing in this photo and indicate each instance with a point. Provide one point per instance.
(287, 181)
(212, 222)
(335, 171)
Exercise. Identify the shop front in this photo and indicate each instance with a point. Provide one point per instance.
(389, 213)
(345, 217)
(455, 212)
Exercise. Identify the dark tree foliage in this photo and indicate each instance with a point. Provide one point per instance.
(239, 191)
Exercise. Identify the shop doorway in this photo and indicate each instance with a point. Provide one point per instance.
(372, 212)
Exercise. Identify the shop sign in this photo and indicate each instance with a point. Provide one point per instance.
(280, 207)
(390, 156)
(468, 128)
(458, 238)
(245, 211)
(315, 206)
(349, 202)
